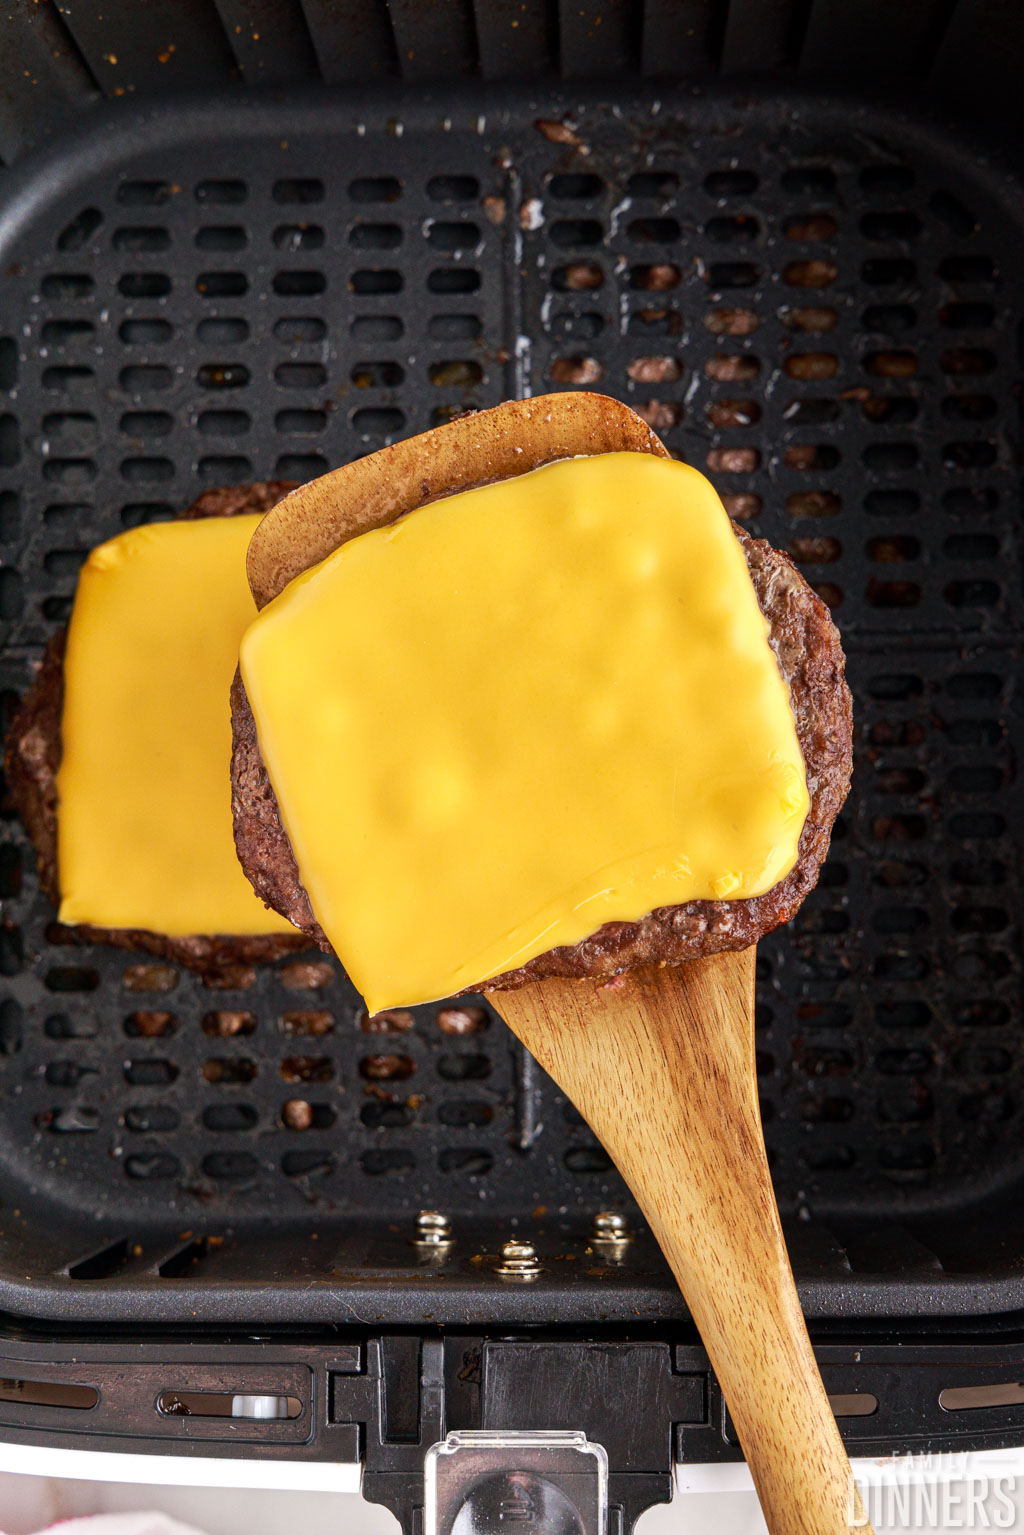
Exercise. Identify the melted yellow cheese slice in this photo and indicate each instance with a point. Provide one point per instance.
(522, 712)
(144, 834)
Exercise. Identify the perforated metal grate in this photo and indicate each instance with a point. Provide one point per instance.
(820, 309)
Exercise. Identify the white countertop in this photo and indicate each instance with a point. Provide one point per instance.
(941, 1494)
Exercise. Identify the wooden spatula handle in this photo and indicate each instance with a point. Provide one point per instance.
(661, 1065)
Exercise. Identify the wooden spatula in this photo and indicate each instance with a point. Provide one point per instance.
(660, 1063)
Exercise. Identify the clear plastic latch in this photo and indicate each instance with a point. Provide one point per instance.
(489, 1482)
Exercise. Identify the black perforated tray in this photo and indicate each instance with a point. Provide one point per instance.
(816, 302)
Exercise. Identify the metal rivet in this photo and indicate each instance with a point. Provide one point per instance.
(610, 1226)
(518, 1261)
(433, 1230)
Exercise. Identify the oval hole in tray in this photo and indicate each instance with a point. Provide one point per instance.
(853, 1404)
(1003, 1394)
(48, 1393)
(226, 1404)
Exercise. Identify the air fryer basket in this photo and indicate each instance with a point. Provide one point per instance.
(816, 298)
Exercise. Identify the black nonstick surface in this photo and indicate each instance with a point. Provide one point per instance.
(815, 302)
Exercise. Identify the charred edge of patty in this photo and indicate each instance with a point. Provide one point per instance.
(807, 648)
(32, 755)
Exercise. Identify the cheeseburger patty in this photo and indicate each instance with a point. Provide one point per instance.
(810, 658)
(32, 755)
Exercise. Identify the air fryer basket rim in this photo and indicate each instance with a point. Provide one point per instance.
(103, 1278)
(104, 128)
